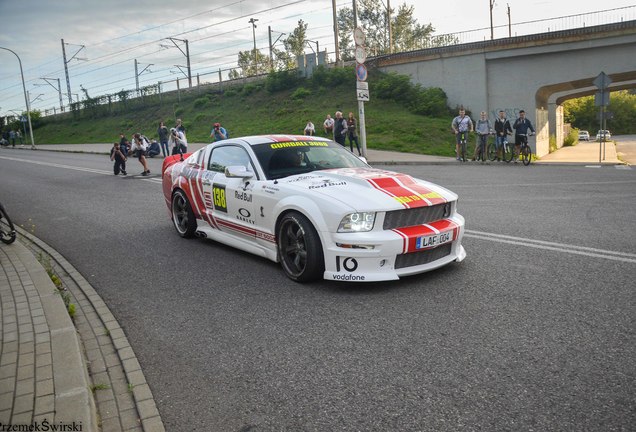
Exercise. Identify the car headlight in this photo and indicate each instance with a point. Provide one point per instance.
(357, 222)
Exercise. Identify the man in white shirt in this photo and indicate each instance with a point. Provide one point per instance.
(328, 125)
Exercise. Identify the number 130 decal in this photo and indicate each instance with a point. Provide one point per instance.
(218, 196)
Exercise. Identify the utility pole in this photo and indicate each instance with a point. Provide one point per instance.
(355, 14)
(139, 73)
(58, 88)
(26, 95)
(492, 31)
(186, 54)
(335, 30)
(509, 24)
(388, 18)
(68, 81)
(271, 46)
(253, 22)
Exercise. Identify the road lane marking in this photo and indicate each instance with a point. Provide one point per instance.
(552, 246)
(76, 168)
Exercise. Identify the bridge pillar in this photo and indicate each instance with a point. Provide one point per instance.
(542, 125)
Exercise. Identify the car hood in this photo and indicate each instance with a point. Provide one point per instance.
(369, 189)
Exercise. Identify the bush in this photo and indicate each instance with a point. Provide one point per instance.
(572, 138)
(300, 93)
(201, 102)
(553, 144)
(249, 89)
(326, 77)
(430, 102)
(283, 80)
(419, 100)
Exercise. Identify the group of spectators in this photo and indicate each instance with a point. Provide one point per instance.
(10, 136)
(462, 125)
(339, 128)
(141, 146)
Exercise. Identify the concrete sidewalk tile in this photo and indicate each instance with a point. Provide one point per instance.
(67, 361)
(42, 348)
(111, 424)
(131, 365)
(44, 404)
(9, 347)
(44, 372)
(75, 407)
(26, 359)
(147, 409)
(24, 418)
(8, 371)
(26, 348)
(9, 357)
(142, 392)
(125, 353)
(6, 401)
(43, 360)
(153, 424)
(23, 403)
(25, 386)
(5, 416)
(105, 395)
(108, 409)
(130, 418)
(136, 378)
(44, 387)
(121, 343)
(25, 372)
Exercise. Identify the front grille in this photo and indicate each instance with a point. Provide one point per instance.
(422, 257)
(416, 216)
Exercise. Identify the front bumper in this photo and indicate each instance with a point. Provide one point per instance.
(390, 254)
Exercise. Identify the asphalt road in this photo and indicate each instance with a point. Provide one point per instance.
(533, 331)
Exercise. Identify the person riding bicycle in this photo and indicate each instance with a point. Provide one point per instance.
(461, 125)
(521, 126)
(483, 129)
(502, 130)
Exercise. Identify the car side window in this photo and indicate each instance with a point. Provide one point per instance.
(225, 156)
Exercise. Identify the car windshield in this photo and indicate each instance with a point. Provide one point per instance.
(282, 159)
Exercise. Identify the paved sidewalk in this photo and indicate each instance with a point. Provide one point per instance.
(581, 154)
(62, 371)
(43, 377)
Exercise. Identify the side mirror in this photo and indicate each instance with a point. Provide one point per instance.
(238, 172)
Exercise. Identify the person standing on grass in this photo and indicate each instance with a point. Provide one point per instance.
(340, 129)
(352, 134)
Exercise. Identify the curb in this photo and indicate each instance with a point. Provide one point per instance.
(144, 401)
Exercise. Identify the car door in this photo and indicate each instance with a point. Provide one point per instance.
(232, 200)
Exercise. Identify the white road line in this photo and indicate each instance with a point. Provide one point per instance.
(76, 168)
(557, 247)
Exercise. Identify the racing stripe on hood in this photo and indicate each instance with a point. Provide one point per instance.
(411, 234)
(405, 190)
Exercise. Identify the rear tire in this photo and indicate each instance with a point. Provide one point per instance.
(507, 152)
(299, 248)
(182, 215)
(463, 150)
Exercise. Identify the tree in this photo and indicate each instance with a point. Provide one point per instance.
(407, 34)
(246, 62)
(295, 42)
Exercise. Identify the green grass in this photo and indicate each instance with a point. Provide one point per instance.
(250, 110)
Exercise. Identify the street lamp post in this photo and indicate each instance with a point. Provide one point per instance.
(26, 98)
(253, 22)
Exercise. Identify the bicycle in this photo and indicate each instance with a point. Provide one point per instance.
(462, 146)
(525, 151)
(483, 148)
(507, 151)
(6, 235)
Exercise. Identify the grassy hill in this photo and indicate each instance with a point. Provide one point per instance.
(251, 109)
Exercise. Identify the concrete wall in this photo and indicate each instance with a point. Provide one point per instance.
(524, 72)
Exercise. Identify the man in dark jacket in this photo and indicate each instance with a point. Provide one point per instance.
(502, 130)
(340, 129)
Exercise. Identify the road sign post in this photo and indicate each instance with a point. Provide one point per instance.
(362, 87)
(601, 99)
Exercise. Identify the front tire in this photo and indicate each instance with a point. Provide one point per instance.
(526, 155)
(6, 235)
(299, 248)
(182, 215)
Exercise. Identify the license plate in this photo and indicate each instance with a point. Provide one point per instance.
(434, 240)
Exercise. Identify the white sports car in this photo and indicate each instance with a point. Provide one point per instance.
(311, 205)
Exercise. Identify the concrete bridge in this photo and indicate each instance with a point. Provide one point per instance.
(536, 73)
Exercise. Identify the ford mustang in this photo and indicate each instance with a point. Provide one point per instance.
(313, 206)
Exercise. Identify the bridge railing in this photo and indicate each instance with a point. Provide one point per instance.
(568, 22)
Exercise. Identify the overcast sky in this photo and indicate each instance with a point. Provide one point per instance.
(116, 32)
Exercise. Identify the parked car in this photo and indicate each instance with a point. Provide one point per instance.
(313, 206)
(603, 133)
(584, 135)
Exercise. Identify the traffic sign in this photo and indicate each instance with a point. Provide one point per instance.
(363, 95)
(361, 54)
(361, 72)
(602, 81)
(358, 36)
(23, 119)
